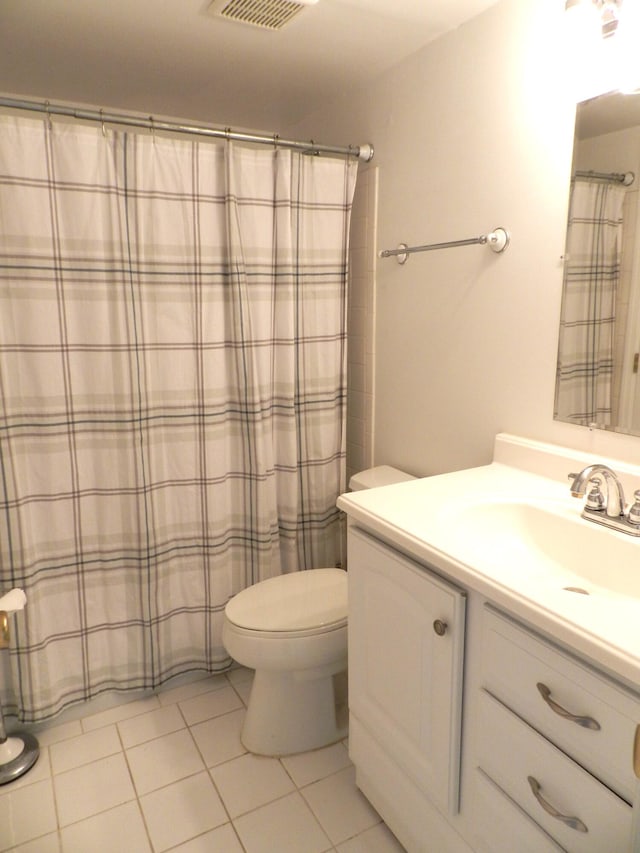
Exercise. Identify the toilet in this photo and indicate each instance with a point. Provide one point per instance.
(292, 630)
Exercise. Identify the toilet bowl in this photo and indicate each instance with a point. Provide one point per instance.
(292, 630)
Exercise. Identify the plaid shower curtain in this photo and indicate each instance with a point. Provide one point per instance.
(172, 392)
(587, 321)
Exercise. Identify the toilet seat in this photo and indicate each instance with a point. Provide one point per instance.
(295, 605)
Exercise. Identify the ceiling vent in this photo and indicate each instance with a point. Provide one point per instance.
(267, 14)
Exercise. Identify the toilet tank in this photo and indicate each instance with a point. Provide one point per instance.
(381, 475)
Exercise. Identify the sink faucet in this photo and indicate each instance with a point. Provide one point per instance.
(611, 512)
(615, 503)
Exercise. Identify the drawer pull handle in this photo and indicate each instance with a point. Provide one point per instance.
(636, 752)
(573, 822)
(585, 722)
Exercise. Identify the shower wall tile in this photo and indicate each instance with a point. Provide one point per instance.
(361, 325)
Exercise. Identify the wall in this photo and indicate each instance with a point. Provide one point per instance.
(472, 132)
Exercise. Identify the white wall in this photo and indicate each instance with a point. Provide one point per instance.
(473, 132)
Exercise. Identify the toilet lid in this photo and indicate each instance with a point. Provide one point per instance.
(315, 598)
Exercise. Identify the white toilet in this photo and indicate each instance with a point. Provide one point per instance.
(292, 630)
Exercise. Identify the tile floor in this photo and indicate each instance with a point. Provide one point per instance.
(168, 772)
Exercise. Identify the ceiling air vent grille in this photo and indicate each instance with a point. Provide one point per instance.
(268, 14)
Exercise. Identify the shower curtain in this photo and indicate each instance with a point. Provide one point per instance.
(173, 390)
(587, 321)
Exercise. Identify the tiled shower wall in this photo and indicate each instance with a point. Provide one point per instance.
(361, 322)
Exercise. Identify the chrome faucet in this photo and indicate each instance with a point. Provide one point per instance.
(615, 503)
(611, 510)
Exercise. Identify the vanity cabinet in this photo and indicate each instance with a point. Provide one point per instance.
(554, 738)
(406, 641)
(514, 744)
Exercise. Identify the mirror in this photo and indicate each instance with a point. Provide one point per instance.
(598, 378)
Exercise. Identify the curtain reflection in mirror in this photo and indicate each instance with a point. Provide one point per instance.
(587, 323)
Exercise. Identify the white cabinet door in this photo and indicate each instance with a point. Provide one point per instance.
(406, 638)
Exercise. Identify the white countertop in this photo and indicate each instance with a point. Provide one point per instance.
(432, 519)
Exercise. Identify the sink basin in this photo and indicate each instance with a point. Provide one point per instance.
(552, 542)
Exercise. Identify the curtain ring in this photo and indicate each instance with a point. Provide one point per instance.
(152, 128)
(276, 138)
(104, 129)
(49, 122)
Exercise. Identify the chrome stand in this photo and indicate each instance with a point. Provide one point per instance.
(19, 751)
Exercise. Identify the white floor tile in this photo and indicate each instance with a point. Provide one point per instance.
(249, 782)
(378, 839)
(26, 813)
(45, 844)
(339, 806)
(164, 760)
(49, 733)
(220, 840)
(286, 825)
(146, 727)
(84, 749)
(194, 687)
(115, 831)
(309, 767)
(219, 739)
(120, 712)
(243, 689)
(91, 789)
(240, 674)
(211, 704)
(182, 811)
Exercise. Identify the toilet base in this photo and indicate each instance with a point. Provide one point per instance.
(292, 712)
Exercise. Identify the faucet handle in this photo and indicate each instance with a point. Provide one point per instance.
(595, 498)
(634, 509)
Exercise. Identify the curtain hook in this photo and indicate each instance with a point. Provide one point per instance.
(276, 138)
(49, 122)
(152, 128)
(104, 129)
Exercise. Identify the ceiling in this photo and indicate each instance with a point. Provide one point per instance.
(173, 58)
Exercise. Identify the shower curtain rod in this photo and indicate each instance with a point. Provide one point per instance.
(362, 152)
(625, 178)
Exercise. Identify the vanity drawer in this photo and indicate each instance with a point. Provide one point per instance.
(516, 758)
(496, 820)
(519, 667)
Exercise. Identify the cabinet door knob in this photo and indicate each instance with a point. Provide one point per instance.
(440, 627)
(585, 722)
(569, 820)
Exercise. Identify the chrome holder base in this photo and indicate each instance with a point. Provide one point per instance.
(620, 523)
(23, 761)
